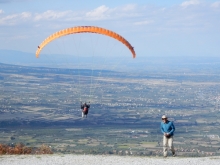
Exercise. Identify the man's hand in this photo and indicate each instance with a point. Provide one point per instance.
(166, 134)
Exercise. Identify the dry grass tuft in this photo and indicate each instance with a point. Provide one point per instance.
(21, 149)
(44, 150)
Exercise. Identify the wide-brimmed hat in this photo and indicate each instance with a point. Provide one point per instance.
(164, 117)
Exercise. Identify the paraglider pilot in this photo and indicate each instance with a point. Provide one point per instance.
(85, 109)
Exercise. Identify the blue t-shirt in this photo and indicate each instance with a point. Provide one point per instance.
(167, 127)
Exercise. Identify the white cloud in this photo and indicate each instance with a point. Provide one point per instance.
(215, 4)
(15, 18)
(98, 13)
(25, 15)
(129, 7)
(142, 23)
(190, 2)
(103, 12)
(9, 20)
(51, 15)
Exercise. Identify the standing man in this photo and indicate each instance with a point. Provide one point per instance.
(167, 128)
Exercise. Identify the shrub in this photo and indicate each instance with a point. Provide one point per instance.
(20, 148)
(44, 150)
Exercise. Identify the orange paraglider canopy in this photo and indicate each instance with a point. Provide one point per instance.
(85, 29)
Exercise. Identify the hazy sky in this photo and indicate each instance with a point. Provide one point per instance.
(153, 27)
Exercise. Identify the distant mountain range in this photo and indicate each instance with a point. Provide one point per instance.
(65, 61)
(142, 63)
(16, 57)
(29, 59)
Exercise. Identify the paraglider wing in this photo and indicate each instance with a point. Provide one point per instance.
(85, 29)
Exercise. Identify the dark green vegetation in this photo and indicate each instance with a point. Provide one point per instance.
(41, 106)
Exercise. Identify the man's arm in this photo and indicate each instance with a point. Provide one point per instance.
(161, 128)
(173, 128)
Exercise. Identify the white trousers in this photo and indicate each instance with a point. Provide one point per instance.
(168, 144)
(83, 115)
